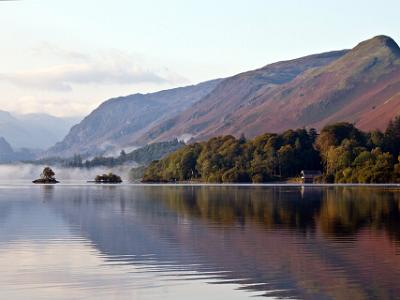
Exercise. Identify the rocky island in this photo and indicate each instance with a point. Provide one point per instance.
(47, 177)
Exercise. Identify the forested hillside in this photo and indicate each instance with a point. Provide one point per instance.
(344, 154)
(140, 156)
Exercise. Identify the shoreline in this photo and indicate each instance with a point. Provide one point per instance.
(187, 184)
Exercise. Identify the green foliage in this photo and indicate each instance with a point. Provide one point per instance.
(391, 141)
(227, 159)
(108, 178)
(343, 152)
(352, 156)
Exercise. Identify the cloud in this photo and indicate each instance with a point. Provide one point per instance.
(48, 49)
(59, 106)
(111, 67)
(63, 77)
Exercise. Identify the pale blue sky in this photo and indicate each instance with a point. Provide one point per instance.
(66, 57)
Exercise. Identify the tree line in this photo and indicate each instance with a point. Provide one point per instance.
(141, 156)
(342, 152)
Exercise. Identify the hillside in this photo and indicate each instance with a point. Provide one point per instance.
(361, 86)
(117, 123)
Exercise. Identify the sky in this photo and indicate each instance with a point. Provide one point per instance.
(65, 57)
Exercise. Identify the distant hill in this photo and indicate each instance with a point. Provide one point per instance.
(36, 131)
(8, 154)
(118, 122)
(361, 86)
(5, 148)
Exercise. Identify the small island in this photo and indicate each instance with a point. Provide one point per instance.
(108, 178)
(47, 177)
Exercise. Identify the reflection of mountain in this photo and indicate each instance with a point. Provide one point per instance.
(328, 243)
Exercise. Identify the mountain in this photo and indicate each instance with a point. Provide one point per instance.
(117, 123)
(5, 148)
(361, 85)
(7, 153)
(37, 131)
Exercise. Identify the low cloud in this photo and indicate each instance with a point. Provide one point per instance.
(105, 68)
(25, 173)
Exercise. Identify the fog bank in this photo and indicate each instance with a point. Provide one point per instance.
(30, 172)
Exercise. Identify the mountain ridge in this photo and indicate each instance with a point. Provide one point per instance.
(360, 85)
(312, 99)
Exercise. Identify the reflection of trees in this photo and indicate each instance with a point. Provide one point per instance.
(271, 207)
(213, 229)
(47, 192)
(337, 211)
(347, 210)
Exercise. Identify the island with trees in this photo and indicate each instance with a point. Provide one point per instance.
(343, 154)
(47, 177)
(108, 178)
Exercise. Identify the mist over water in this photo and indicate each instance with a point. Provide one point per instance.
(28, 172)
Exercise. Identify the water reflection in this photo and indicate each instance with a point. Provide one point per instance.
(331, 242)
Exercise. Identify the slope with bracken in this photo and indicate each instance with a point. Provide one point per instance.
(361, 86)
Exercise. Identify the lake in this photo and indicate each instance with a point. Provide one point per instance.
(199, 242)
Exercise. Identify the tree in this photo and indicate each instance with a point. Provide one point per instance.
(47, 174)
(242, 139)
(392, 137)
(333, 135)
(287, 161)
(376, 139)
(188, 165)
(108, 178)
(235, 175)
(313, 135)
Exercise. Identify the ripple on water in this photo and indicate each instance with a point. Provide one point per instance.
(205, 242)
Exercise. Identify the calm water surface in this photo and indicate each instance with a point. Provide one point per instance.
(199, 242)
